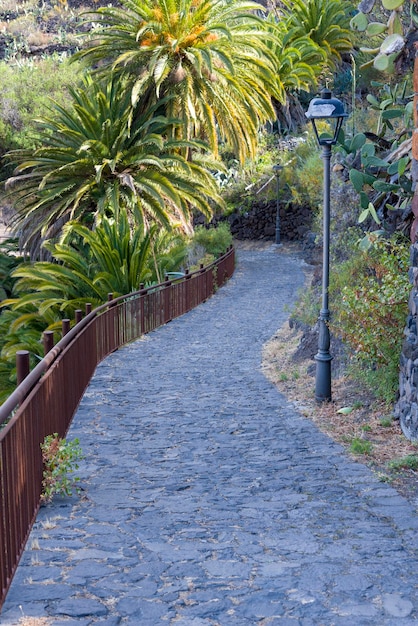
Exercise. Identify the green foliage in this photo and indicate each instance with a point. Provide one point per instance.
(389, 35)
(9, 260)
(393, 104)
(169, 251)
(369, 295)
(382, 383)
(410, 461)
(14, 337)
(360, 446)
(31, 28)
(325, 22)
(86, 266)
(299, 60)
(211, 57)
(27, 88)
(60, 460)
(238, 182)
(309, 186)
(380, 164)
(214, 240)
(386, 422)
(384, 177)
(99, 158)
(313, 34)
(207, 244)
(301, 179)
(303, 176)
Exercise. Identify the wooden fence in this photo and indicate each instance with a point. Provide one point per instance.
(46, 400)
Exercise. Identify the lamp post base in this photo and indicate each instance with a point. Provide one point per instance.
(323, 360)
(323, 377)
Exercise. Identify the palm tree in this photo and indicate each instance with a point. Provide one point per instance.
(99, 159)
(210, 56)
(325, 22)
(87, 265)
(300, 62)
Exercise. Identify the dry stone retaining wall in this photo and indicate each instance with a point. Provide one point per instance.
(406, 409)
(259, 222)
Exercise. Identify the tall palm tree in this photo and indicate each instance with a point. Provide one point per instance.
(210, 56)
(98, 158)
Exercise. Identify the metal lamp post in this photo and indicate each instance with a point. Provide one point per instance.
(332, 110)
(277, 169)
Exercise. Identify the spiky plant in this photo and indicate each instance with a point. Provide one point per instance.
(99, 159)
(86, 265)
(325, 22)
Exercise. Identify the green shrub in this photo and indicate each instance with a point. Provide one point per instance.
(386, 422)
(9, 260)
(410, 461)
(369, 295)
(27, 89)
(213, 241)
(309, 176)
(308, 304)
(360, 446)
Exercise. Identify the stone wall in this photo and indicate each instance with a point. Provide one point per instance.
(406, 408)
(259, 222)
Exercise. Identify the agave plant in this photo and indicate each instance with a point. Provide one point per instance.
(210, 56)
(98, 159)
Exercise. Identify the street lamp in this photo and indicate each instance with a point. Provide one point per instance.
(277, 169)
(332, 110)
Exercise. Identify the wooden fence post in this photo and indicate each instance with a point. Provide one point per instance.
(48, 340)
(22, 365)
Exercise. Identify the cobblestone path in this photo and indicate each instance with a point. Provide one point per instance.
(207, 499)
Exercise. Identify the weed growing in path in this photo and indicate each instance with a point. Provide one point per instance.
(60, 459)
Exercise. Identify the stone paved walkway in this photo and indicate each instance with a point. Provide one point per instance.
(208, 500)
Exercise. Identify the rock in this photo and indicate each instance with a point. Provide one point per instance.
(259, 222)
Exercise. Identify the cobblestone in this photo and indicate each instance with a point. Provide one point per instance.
(208, 500)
